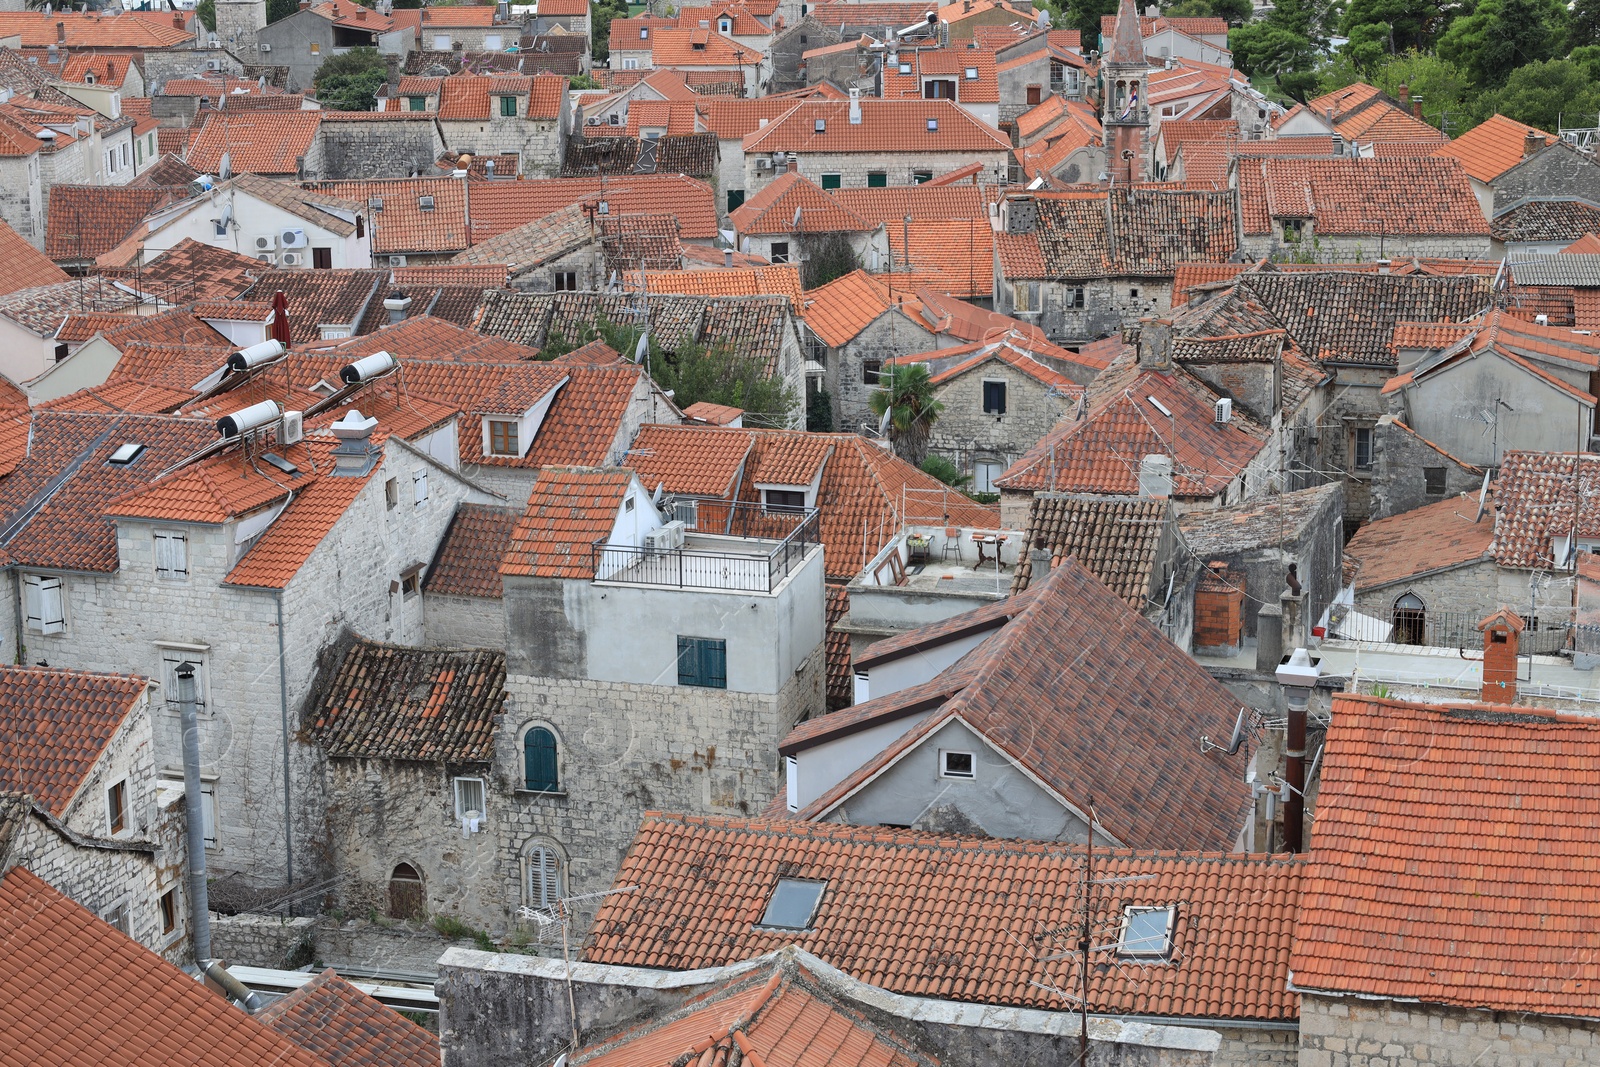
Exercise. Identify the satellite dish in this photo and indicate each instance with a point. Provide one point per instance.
(655, 497)
(796, 224)
(642, 347)
(1483, 497)
(1206, 744)
(883, 423)
(225, 167)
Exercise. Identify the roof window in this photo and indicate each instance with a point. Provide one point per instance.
(1159, 406)
(279, 462)
(425, 203)
(972, 74)
(822, 125)
(1146, 933)
(644, 33)
(374, 203)
(793, 904)
(933, 125)
(127, 453)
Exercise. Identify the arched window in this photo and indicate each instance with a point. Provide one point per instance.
(546, 872)
(406, 899)
(1410, 620)
(539, 770)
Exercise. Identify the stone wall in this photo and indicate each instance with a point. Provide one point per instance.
(1365, 248)
(22, 198)
(1399, 480)
(463, 621)
(538, 143)
(892, 334)
(900, 168)
(388, 148)
(1107, 304)
(1347, 1032)
(787, 48)
(965, 433)
(337, 941)
(163, 65)
(1257, 1048)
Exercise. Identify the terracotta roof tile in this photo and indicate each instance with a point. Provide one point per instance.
(190, 270)
(130, 30)
(845, 306)
(897, 126)
(1546, 220)
(1535, 498)
(778, 280)
(321, 297)
(1453, 861)
(402, 224)
(1133, 232)
(895, 897)
(500, 206)
(123, 395)
(569, 510)
(689, 462)
(1415, 542)
(54, 727)
(63, 966)
(773, 209)
(947, 63)
(1492, 147)
(593, 354)
(377, 701)
(467, 562)
(259, 142)
(1360, 196)
(1117, 538)
(923, 203)
(698, 48)
(23, 266)
(334, 1019)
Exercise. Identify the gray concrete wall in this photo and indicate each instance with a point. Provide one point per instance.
(998, 801)
(1400, 481)
(1349, 1032)
(1447, 407)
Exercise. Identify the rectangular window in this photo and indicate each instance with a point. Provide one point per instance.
(1075, 297)
(830, 181)
(124, 155)
(780, 252)
(956, 764)
(419, 487)
(316, 49)
(117, 807)
(793, 904)
(1024, 296)
(322, 258)
(410, 584)
(117, 918)
(871, 369)
(1034, 95)
(492, 42)
(1146, 933)
(703, 661)
(1293, 229)
(418, 103)
(922, 176)
(219, 228)
(735, 200)
(1433, 477)
(172, 555)
(469, 798)
(169, 911)
(503, 438)
(1361, 448)
(877, 179)
(441, 42)
(994, 398)
(508, 107)
(984, 472)
(171, 658)
(566, 281)
(45, 602)
(630, 64)
(391, 492)
(784, 499)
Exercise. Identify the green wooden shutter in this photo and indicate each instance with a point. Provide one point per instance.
(539, 760)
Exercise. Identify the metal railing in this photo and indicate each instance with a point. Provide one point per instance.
(1449, 629)
(792, 535)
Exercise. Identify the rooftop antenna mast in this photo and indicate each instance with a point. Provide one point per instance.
(560, 914)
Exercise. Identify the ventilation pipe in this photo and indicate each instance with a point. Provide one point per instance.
(1298, 675)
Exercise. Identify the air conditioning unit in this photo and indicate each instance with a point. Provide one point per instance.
(397, 261)
(665, 538)
(268, 257)
(292, 238)
(763, 163)
(292, 259)
(1224, 410)
(213, 64)
(592, 122)
(292, 428)
(266, 242)
(265, 47)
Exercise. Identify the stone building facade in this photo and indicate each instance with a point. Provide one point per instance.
(852, 368)
(854, 168)
(1410, 471)
(789, 45)
(366, 145)
(1347, 1032)
(994, 412)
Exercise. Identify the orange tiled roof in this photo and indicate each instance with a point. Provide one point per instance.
(1009, 350)
(698, 48)
(779, 280)
(772, 210)
(401, 225)
(131, 30)
(892, 126)
(500, 206)
(62, 966)
(258, 142)
(846, 306)
(1361, 196)
(54, 727)
(982, 87)
(1453, 861)
(335, 1020)
(1428, 538)
(959, 251)
(1535, 495)
(86, 220)
(569, 510)
(122, 395)
(945, 917)
(467, 562)
(923, 203)
(23, 266)
(1492, 147)
(689, 462)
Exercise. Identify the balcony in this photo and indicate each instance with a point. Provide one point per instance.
(743, 548)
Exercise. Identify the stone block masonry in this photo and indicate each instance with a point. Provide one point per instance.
(1346, 1032)
(396, 148)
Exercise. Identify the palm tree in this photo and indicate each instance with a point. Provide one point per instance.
(905, 403)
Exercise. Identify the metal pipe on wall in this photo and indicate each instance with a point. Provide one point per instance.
(194, 816)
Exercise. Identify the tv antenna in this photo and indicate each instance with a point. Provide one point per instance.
(559, 914)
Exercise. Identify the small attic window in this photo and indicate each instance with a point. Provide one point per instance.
(323, 388)
(126, 454)
(822, 126)
(1146, 933)
(425, 203)
(374, 203)
(933, 125)
(905, 68)
(644, 33)
(793, 904)
(972, 74)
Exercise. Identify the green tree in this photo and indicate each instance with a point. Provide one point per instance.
(1233, 10)
(831, 257)
(582, 81)
(819, 412)
(1584, 25)
(717, 375)
(947, 472)
(1502, 35)
(349, 81)
(905, 394)
(281, 9)
(1443, 90)
(1084, 16)
(206, 12)
(1400, 25)
(1539, 94)
(601, 12)
(1284, 46)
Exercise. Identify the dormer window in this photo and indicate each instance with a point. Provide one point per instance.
(503, 437)
(1293, 229)
(508, 107)
(699, 46)
(724, 26)
(784, 499)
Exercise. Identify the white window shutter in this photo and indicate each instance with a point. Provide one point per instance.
(419, 482)
(52, 612)
(31, 601)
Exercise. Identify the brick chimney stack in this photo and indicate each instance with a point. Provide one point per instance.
(1155, 344)
(1501, 634)
(1532, 143)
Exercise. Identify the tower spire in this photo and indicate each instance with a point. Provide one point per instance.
(1127, 42)
(1125, 116)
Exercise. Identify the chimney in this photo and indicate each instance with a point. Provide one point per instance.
(361, 14)
(855, 107)
(397, 306)
(355, 454)
(1219, 610)
(1298, 675)
(1532, 143)
(177, 19)
(1155, 477)
(1501, 633)
(727, 257)
(61, 33)
(1040, 560)
(1383, 266)
(1155, 344)
(305, 5)
(1405, 95)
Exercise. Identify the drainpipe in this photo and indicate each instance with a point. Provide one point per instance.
(16, 606)
(194, 817)
(283, 712)
(237, 991)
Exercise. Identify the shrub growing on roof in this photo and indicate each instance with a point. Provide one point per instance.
(350, 80)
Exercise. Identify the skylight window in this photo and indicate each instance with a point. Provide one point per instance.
(1159, 406)
(793, 904)
(972, 74)
(126, 454)
(279, 462)
(1147, 933)
(933, 125)
(425, 203)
